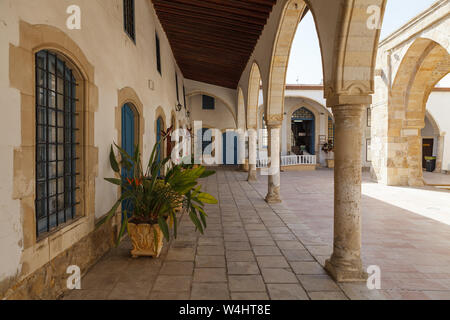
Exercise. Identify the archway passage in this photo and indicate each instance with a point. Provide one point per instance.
(303, 132)
(424, 65)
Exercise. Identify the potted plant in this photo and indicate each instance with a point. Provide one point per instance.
(150, 202)
(328, 149)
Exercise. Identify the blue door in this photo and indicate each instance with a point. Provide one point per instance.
(128, 144)
(159, 128)
(230, 148)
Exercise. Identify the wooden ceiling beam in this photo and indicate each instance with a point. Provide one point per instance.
(209, 12)
(216, 41)
(224, 37)
(212, 48)
(171, 13)
(223, 7)
(189, 21)
(212, 40)
(245, 5)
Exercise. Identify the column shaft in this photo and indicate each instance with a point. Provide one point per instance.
(274, 179)
(345, 263)
(252, 156)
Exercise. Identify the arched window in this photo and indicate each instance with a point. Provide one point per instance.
(56, 141)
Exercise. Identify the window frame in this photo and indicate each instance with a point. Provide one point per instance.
(70, 99)
(126, 16)
(205, 101)
(158, 53)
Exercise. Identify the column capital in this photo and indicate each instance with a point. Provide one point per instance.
(336, 100)
(273, 125)
(274, 121)
(348, 110)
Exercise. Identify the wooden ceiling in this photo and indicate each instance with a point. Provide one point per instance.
(212, 40)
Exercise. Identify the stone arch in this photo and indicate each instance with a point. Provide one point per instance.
(254, 86)
(355, 50)
(241, 121)
(425, 63)
(227, 105)
(434, 123)
(291, 17)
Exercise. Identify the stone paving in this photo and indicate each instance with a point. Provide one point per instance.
(252, 250)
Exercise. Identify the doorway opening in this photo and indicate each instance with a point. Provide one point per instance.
(303, 132)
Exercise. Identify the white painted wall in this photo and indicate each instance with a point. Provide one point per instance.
(220, 118)
(438, 106)
(118, 63)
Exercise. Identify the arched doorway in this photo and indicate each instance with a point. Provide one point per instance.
(128, 128)
(129, 120)
(424, 64)
(303, 129)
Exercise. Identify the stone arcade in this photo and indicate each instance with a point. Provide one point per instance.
(137, 67)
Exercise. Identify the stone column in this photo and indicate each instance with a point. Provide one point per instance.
(273, 194)
(345, 263)
(252, 156)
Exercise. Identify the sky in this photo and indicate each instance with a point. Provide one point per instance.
(305, 64)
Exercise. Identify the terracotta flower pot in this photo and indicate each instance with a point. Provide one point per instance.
(330, 163)
(147, 239)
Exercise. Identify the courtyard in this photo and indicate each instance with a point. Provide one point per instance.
(253, 250)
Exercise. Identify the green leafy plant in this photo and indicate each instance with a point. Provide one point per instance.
(149, 198)
(328, 147)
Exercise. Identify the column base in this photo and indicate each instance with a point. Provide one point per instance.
(252, 176)
(273, 196)
(346, 271)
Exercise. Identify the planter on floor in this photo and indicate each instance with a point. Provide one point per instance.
(147, 240)
(330, 163)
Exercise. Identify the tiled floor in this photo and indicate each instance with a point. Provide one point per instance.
(255, 251)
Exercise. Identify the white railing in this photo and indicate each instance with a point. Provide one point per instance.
(297, 160)
(262, 163)
(289, 161)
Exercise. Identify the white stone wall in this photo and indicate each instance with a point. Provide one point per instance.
(438, 106)
(118, 63)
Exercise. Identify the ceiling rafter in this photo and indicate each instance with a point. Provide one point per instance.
(212, 40)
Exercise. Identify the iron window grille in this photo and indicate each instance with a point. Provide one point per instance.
(56, 127)
(129, 19)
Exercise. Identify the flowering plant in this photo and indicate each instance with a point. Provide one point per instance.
(328, 147)
(149, 198)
